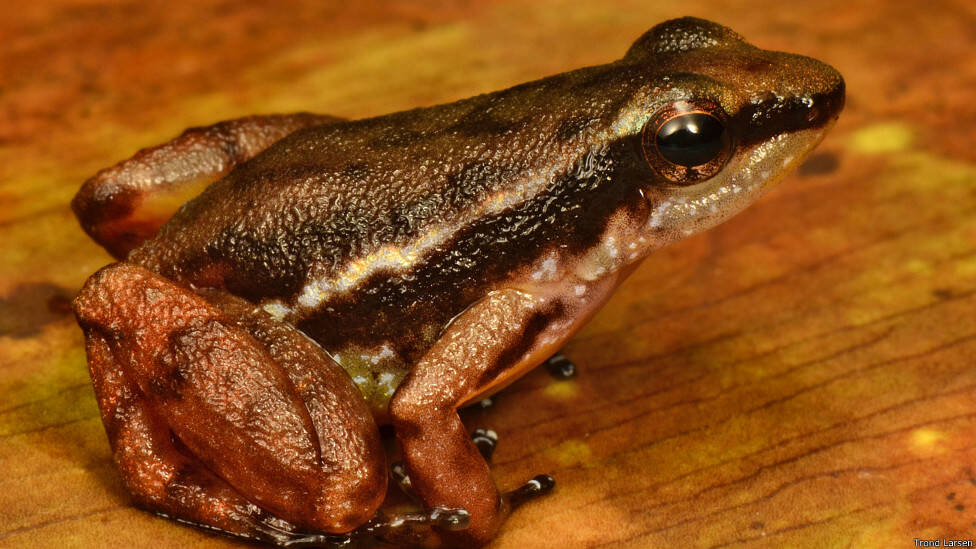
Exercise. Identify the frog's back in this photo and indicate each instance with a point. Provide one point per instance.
(334, 211)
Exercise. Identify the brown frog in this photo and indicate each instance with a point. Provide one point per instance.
(336, 274)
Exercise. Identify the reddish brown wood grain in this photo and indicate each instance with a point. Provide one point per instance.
(803, 376)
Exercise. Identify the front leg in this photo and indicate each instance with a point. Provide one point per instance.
(446, 469)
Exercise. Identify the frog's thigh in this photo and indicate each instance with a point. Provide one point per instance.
(157, 475)
(269, 413)
(445, 467)
(121, 206)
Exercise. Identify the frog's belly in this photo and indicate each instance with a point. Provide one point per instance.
(377, 336)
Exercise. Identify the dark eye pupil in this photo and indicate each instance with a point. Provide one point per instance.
(691, 139)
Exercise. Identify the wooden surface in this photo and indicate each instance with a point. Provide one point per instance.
(803, 376)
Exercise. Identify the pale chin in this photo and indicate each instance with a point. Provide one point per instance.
(685, 211)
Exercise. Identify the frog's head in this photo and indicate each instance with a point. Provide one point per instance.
(720, 121)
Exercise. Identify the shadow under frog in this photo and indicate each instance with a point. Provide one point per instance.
(28, 307)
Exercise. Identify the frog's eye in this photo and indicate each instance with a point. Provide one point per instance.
(687, 143)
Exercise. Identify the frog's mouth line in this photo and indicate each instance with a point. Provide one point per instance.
(749, 175)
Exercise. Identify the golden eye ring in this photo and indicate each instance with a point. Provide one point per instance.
(687, 142)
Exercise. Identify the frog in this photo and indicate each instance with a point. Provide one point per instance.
(285, 285)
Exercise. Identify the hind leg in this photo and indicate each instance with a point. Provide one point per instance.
(156, 473)
(220, 416)
(121, 206)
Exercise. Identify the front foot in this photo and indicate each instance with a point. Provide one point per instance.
(485, 440)
(539, 485)
(560, 367)
(415, 529)
(421, 529)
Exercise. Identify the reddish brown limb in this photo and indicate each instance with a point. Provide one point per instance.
(445, 467)
(155, 472)
(221, 416)
(122, 206)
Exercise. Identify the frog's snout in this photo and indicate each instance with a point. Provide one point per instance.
(812, 104)
(835, 98)
(824, 106)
